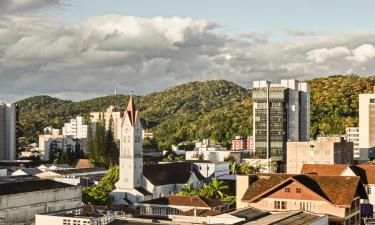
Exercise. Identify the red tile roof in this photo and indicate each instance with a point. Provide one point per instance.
(339, 190)
(193, 201)
(324, 169)
(84, 163)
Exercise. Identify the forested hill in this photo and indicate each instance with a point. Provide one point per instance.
(212, 109)
(175, 114)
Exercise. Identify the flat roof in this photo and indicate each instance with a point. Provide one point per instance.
(30, 186)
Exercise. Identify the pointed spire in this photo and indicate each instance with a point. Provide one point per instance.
(131, 110)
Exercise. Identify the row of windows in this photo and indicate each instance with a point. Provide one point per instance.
(303, 206)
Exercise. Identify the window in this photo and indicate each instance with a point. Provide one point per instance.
(369, 190)
(287, 190)
(298, 190)
(372, 100)
(280, 204)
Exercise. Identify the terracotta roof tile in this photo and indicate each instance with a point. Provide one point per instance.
(84, 163)
(201, 212)
(339, 190)
(193, 201)
(324, 169)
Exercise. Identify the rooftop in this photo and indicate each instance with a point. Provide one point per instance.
(193, 201)
(30, 186)
(338, 190)
(289, 218)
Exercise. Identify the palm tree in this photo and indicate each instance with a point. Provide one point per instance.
(216, 189)
(188, 190)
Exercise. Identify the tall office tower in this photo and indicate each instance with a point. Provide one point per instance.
(281, 113)
(8, 131)
(366, 126)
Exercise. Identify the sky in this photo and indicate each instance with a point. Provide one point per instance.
(79, 49)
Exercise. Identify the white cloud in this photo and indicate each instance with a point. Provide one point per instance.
(13, 6)
(39, 55)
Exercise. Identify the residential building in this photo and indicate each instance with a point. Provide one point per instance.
(9, 116)
(281, 113)
(352, 135)
(264, 165)
(324, 150)
(173, 205)
(112, 113)
(366, 172)
(140, 182)
(337, 196)
(210, 169)
(76, 216)
(240, 143)
(52, 143)
(366, 126)
(75, 128)
(147, 134)
(21, 200)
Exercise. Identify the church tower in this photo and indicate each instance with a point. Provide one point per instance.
(131, 158)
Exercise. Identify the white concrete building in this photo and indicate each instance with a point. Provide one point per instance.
(26, 172)
(352, 135)
(140, 182)
(366, 125)
(112, 112)
(75, 128)
(211, 168)
(20, 201)
(8, 127)
(76, 216)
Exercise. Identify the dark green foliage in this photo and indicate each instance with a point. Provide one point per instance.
(101, 146)
(99, 194)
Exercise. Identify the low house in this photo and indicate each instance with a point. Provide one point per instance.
(172, 205)
(83, 164)
(26, 172)
(337, 196)
(366, 172)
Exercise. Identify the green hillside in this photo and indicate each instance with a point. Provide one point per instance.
(213, 109)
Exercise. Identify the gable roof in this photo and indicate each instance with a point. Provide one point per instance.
(193, 201)
(324, 169)
(338, 190)
(30, 186)
(366, 172)
(170, 173)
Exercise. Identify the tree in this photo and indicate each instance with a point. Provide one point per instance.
(188, 190)
(99, 194)
(216, 189)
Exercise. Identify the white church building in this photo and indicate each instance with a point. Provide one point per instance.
(140, 182)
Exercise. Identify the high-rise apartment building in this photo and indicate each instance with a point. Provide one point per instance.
(366, 126)
(8, 131)
(112, 112)
(281, 113)
(76, 128)
(352, 135)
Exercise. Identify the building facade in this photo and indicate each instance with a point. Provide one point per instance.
(20, 201)
(9, 114)
(324, 150)
(76, 128)
(140, 182)
(366, 125)
(352, 135)
(114, 114)
(243, 143)
(281, 113)
(308, 193)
